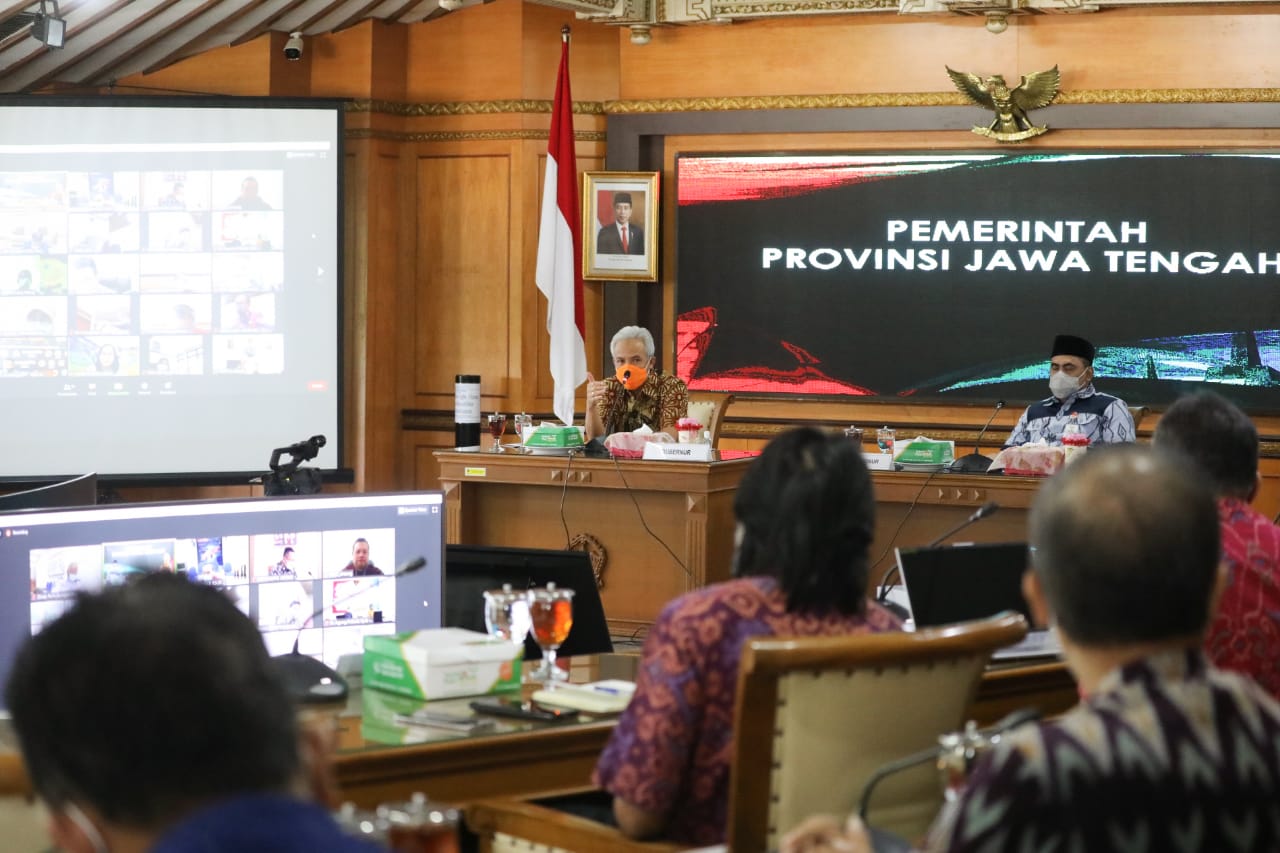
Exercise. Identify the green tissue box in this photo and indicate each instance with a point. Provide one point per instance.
(441, 663)
(925, 451)
(550, 435)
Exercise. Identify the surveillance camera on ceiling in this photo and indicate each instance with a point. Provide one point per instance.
(293, 47)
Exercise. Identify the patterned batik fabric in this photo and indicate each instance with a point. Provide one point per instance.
(1168, 755)
(670, 752)
(658, 403)
(1103, 419)
(1244, 635)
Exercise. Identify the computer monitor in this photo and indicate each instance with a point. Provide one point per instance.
(472, 569)
(958, 583)
(78, 491)
(284, 561)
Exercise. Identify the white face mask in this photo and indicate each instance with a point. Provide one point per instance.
(1062, 385)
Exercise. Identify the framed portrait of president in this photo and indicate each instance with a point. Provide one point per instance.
(620, 226)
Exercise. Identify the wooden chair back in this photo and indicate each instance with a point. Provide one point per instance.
(709, 408)
(817, 716)
(23, 820)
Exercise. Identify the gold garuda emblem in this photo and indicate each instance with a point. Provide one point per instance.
(1011, 123)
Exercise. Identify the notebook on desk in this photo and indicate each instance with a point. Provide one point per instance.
(958, 583)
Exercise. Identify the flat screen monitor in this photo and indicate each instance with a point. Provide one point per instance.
(837, 274)
(472, 569)
(169, 284)
(78, 491)
(959, 583)
(286, 562)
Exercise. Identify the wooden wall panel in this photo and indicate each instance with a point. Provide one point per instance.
(463, 273)
(241, 70)
(469, 56)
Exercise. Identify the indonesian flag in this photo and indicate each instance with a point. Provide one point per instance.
(559, 273)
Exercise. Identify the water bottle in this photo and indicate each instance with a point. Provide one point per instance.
(1074, 441)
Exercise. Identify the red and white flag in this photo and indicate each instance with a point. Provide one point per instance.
(559, 272)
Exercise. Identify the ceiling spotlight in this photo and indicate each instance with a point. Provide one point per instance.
(46, 25)
(641, 34)
(997, 22)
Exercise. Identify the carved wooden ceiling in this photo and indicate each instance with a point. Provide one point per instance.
(106, 40)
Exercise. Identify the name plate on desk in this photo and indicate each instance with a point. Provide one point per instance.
(679, 452)
(878, 461)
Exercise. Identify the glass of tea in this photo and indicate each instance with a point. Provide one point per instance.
(551, 613)
(497, 425)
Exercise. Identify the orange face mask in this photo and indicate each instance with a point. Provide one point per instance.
(631, 377)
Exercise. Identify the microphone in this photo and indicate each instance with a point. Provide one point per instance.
(970, 741)
(975, 462)
(987, 509)
(310, 680)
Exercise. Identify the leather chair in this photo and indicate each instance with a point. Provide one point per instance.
(815, 718)
(708, 407)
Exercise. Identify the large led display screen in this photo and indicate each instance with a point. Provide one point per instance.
(945, 276)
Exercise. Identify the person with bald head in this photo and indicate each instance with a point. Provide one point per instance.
(1164, 751)
(1102, 418)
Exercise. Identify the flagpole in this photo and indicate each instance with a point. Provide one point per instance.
(559, 267)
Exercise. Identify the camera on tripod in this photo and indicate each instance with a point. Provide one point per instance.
(287, 478)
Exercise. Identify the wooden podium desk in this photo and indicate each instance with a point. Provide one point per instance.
(533, 759)
(603, 506)
(942, 501)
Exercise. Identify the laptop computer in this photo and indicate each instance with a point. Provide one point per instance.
(958, 583)
(471, 569)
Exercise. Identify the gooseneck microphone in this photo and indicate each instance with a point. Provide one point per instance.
(987, 509)
(975, 462)
(310, 680)
(974, 739)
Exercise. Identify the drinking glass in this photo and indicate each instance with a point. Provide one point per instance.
(497, 425)
(854, 434)
(885, 438)
(551, 611)
(506, 614)
(523, 423)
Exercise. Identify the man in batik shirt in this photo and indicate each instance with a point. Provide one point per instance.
(1102, 418)
(1164, 752)
(636, 395)
(1244, 635)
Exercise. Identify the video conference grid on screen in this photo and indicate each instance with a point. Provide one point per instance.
(166, 261)
(141, 273)
(946, 275)
(282, 561)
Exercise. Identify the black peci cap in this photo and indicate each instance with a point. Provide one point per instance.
(1072, 345)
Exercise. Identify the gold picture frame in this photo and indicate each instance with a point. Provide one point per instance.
(604, 255)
